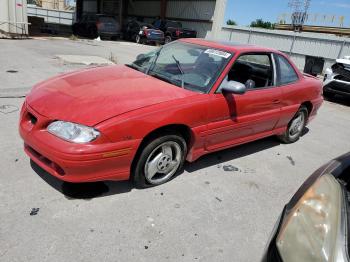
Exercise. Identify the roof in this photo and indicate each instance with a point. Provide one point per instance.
(228, 46)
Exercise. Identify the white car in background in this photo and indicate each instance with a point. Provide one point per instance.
(337, 78)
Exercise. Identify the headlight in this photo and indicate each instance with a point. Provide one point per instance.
(312, 231)
(73, 132)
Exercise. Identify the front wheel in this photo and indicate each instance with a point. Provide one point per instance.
(159, 161)
(295, 127)
(138, 39)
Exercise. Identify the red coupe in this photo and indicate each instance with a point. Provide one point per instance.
(141, 121)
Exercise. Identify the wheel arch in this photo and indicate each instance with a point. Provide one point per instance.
(308, 106)
(184, 130)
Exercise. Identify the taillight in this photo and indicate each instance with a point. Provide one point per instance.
(178, 32)
(98, 25)
(146, 31)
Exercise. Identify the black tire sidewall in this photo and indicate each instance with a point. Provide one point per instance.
(287, 137)
(138, 174)
(137, 37)
(167, 40)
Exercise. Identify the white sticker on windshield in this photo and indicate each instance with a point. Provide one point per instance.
(217, 53)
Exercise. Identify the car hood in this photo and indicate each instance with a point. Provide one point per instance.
(93, 95)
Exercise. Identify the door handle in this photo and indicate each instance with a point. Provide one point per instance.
(276, 101)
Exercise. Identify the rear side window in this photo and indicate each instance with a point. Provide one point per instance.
(286, 73)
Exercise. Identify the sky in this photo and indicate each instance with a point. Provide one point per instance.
(321, 12)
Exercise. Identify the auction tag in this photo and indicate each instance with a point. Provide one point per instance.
(217, 53)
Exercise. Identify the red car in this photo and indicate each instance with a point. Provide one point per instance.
(143, 120)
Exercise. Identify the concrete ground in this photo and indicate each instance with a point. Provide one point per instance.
(222, 208)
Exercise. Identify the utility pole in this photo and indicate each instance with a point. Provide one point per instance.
(299, 12)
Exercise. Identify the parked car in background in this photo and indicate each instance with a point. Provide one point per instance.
(140, 32)
(97, 25)
(314, 225)
(337, 78)
(141, 121)
(173, 30)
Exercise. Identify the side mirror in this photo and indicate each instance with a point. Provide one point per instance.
(233, 87)
(140, 57)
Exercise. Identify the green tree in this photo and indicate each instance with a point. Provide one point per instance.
(231, 22)
(263, 24)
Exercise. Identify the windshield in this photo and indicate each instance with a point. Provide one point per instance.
(190, 66)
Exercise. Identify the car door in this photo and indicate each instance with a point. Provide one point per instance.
(293, 93)
(234, 119)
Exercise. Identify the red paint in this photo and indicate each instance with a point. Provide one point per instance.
(126, 105)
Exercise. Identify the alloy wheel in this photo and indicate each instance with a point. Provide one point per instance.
(163, 162)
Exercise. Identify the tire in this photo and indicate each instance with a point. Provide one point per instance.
(167, 39)
(295, 126)
(138, 39)
(156, 164)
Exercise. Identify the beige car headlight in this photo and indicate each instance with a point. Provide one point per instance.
(312, 231)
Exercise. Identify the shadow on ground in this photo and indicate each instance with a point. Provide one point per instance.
(83, 190)
(234, 153)
(231, 154)
(102, 189)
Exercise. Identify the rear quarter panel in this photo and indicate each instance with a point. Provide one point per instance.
(306, 90)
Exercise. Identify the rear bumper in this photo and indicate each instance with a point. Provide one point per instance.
(109, 34)
(73, 162)
(153, 39)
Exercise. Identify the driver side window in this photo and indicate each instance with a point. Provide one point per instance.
(253, 70)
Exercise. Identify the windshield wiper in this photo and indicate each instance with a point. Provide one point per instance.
(181, 71)
(153, 63)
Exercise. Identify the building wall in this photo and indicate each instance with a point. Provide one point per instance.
(195, 14)
(297, 45)
(13, 16)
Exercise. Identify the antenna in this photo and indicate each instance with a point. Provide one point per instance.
(299, 12)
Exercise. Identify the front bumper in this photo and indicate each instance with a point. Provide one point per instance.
(109, 34)
(95, 161)
(335, 83)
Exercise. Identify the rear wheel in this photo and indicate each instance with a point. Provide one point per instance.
(159, 161)
(295, 127)
(167, 39)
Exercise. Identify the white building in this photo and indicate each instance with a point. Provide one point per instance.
(13, 17)
(204, 16)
